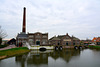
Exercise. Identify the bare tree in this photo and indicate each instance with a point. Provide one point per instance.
(3, 34)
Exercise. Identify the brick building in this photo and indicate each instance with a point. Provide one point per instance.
(38, 38)
(32, 38)
(42, 38)
(64, 40)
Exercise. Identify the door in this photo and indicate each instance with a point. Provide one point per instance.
(37, 42)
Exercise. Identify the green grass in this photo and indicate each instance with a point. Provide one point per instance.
(95, 46)
(14, 51)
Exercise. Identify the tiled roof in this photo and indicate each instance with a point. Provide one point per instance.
(74, 38)
(98, 39)
(22, 35)
(61, 36)
(54, 38)
(94, 39)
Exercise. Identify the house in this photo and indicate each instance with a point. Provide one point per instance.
(86, 42)
(96, 40)
(12, 41)
(64, 40)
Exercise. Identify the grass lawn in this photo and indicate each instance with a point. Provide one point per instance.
(13, 52)
(94, 46)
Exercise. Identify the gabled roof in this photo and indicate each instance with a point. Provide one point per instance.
(60, 36)
(98, 39)
(54, 38)
(74, 38)
(94, 39)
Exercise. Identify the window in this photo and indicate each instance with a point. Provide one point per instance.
(44, 41)
(45, 36)
(73, 43)
(31, 43)
(37, 36)
(30, 40)
(67, 43)
(58, 43)
(31, 36)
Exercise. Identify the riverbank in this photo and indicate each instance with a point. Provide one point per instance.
(12, 52)
(94, 46)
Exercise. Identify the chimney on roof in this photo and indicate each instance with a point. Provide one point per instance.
(66, 33)
(24, 21)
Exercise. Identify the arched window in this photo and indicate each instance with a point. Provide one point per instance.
(67, 43)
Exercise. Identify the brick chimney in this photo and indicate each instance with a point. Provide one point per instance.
(24, 21)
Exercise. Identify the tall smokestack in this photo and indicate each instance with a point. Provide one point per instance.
(24, 21)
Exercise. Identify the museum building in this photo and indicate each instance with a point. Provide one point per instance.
(37, 38)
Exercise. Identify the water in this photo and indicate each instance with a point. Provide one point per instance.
(51, 58)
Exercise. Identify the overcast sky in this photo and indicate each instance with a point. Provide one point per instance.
(80, 18)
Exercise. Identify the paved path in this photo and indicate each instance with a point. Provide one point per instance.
(8, 47)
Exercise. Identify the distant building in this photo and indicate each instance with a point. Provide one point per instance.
(86, 42)
(38, 38)
(12, 41)
(4, 42)
(96, 40)
(64, 40)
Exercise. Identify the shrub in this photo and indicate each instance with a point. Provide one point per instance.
(2, 46)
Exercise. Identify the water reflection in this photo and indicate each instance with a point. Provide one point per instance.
(38, 58)
(51, 58)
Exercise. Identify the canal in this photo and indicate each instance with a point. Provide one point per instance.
(51, 58)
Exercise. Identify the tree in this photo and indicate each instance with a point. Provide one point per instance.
(3, 34)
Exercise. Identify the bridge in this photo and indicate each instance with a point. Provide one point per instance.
(56, 47)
